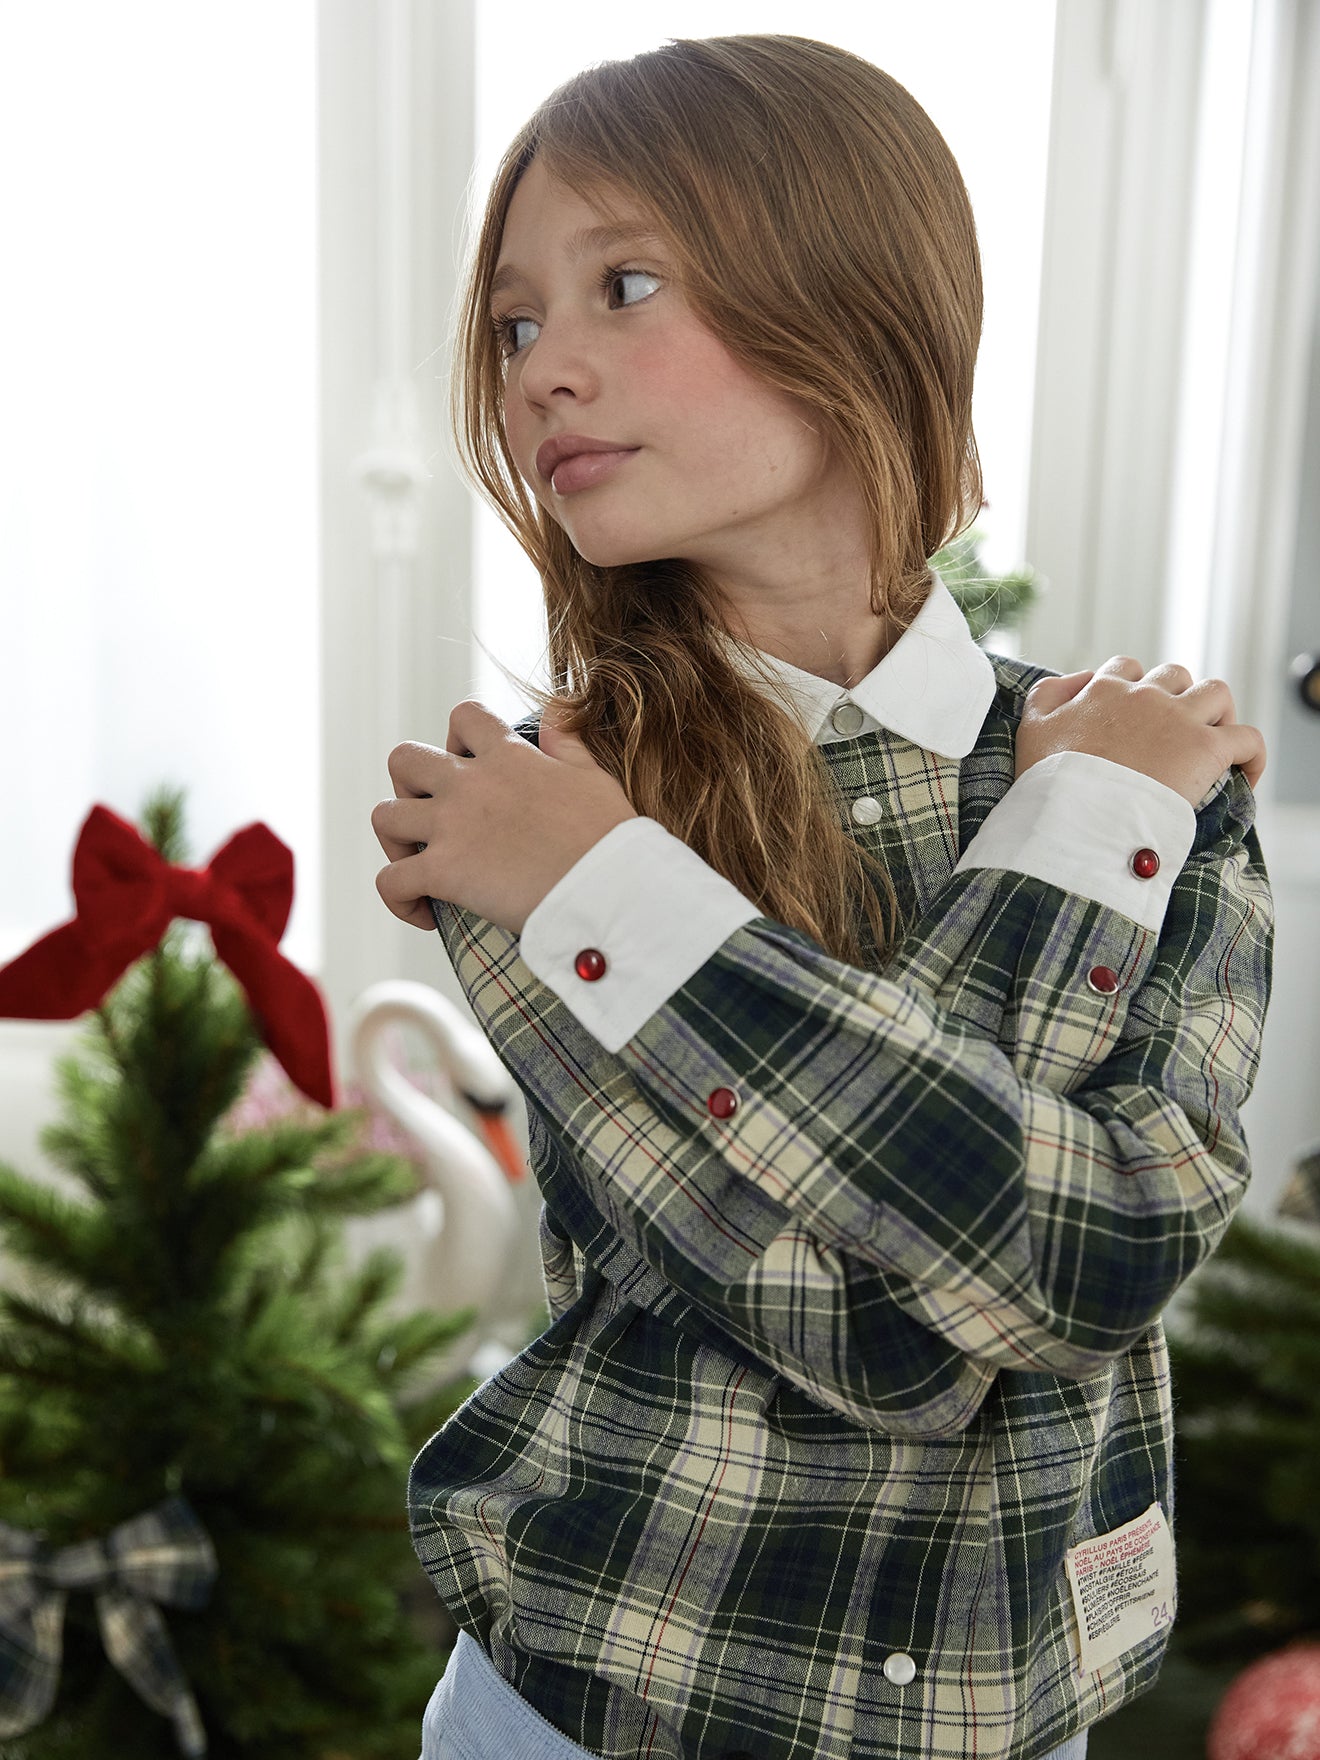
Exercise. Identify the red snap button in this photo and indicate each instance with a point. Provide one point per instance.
(590, 964)
(1144, 864)
(1103, 980)
(723, 1103)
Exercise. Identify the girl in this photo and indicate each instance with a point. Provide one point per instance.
(883, 1008)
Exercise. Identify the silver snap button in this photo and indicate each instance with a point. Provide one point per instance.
(867, 810)
(846, 718)
(899, 1669)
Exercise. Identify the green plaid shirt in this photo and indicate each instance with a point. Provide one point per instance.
(840, 1377)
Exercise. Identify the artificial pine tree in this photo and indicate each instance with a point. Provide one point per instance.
(185, 1324)
(1245, 1356)
(987, 601)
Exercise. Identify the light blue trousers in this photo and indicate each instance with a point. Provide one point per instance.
(475, 1714)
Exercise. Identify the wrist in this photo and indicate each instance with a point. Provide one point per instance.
(568, 851)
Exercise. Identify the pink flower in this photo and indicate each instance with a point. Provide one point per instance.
(270, 1096)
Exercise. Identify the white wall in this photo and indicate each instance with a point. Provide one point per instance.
(159, 542)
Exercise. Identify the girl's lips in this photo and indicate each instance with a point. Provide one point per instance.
(584, 469)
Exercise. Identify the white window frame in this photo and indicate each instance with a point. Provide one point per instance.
(1102, 511)
(1114, 302)
(1117, 223)
(397, 134)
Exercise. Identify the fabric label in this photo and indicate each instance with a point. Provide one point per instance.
(1123, 1587)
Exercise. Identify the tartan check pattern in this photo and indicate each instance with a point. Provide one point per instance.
(164, 1554)
(842, 1376)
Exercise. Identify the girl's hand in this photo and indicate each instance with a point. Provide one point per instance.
(501, 822)
(1185, 735)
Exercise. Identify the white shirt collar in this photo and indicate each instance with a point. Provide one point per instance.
(934, 686)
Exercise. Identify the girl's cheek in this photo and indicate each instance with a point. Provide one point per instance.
(517, 432)
(682, 380)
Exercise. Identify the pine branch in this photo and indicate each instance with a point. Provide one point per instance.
(40, 1224)
(82, 1148)
(243, 1162)
(1246, 1381)
(376, 1180)
(163, 820)
(82, 1331)
(407, 1344)
(365, 1291)
(201, 1334)
(988, 602)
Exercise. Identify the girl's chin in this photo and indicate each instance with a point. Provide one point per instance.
(613, 552)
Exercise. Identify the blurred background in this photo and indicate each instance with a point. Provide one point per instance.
(235, 554)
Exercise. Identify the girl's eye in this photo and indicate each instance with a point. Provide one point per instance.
(509, 330)
(625, 287)
(621, 280)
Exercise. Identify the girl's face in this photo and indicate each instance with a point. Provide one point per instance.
(704, 462)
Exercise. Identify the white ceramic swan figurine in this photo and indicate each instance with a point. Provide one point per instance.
(463, 1226)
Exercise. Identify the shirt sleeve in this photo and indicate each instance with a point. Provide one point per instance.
(975, 1159)
(657, 911)
(1076, 820)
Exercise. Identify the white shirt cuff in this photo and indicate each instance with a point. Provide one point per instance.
(1076, 821)
(651, 907)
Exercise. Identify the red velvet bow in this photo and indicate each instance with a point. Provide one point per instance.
(127, 895)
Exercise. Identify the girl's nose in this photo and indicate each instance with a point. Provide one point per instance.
(559, 364)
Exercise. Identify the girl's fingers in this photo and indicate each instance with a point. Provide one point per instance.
(414, 768)
(1170, 677)
(1048, 694)
(473, 727)
(1124, 666)
(1247, 748)
(1213, 702)
(399, 826)
(403, 889)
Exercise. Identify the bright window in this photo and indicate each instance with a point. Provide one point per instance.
(158, 443)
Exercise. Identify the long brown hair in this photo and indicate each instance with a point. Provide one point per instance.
(823, 234)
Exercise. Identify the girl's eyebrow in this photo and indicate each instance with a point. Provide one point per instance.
(586, 238)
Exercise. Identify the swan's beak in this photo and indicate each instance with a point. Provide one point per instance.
(502, 1143)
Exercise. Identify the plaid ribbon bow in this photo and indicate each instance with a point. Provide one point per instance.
(164, 1554)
